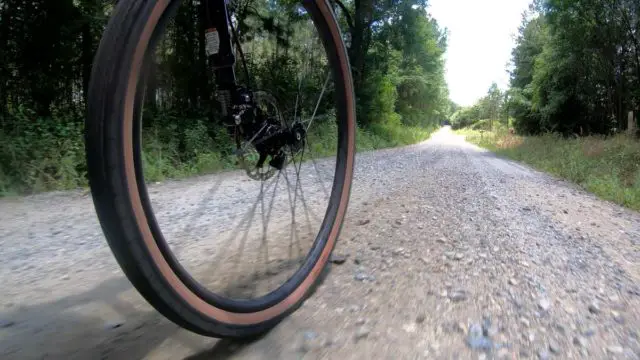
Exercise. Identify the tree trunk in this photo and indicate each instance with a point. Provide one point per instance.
(631, 123)
(86, 57)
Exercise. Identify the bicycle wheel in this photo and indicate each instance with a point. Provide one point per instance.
(285, 253)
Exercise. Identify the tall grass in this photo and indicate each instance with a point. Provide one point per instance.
(606, 166)
(48, 155)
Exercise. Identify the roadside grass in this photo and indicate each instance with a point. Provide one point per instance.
(52, 158)
(606, 166)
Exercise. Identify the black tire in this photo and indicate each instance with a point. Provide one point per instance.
(121, 199)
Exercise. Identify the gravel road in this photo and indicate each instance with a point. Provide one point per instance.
(450, 252)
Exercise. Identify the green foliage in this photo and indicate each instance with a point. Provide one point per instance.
(576, 68)
(41, 154)
(48, 153)
(377, 100)
(47, 50)
(492, 107)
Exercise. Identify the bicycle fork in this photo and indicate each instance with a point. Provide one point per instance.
(219, 50)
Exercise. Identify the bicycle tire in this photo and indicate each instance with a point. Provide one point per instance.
(120, 196)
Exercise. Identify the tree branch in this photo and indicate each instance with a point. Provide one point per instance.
(347, 15)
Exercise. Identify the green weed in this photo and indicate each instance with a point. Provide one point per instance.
(48, 154)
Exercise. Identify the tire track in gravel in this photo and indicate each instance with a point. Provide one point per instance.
(466, 255)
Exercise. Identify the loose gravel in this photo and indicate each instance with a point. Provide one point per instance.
(447, 252)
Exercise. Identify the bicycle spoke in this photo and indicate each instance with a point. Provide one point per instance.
(294, 234)
(315, 167)
(246, 221)
(265, 225)
(295, 109)
(202, 205)
(302, 198)
(318, 102)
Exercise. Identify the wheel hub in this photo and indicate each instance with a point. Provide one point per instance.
(270, 139)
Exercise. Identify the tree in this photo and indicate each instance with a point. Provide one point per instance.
(577, 67)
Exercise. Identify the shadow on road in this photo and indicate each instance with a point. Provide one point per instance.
(110, 321)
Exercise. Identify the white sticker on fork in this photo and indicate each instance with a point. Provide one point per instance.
(213, 41)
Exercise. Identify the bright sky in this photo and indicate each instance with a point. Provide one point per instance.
(481, 36)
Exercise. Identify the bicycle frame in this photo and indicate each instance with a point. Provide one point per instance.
(219, 48)
(238, 102)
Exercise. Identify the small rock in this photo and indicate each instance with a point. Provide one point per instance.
(580, 341)
(513, 282)
(442, 240)
(615, 349)
(543, 354)
(6, 324)
(398, 251)
(65, 277)
(435, 218)
(503, 353)
(458, 296)
(476, 340)
(617, 317)
(357, 260)
(461, 327)
(362, 333)
(458, 256)
(570, 310)
(420, 318)
(525, 322)
(398, 222)
(561, 328)
(363, 222)
(495, 249)
(309, 335)
(594, 307)
(589, 332)
(409, 328)
(544, 304)
(113, 325)
(374, 247)
(310, 341)
(488, 329)
(360, 276)
(361, 321)
(526, 208)
(554, 347)
(338, 259)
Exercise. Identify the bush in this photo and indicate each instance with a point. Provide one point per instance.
(48, 153)
(41, 154)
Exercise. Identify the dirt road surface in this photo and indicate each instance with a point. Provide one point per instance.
(451, 253)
